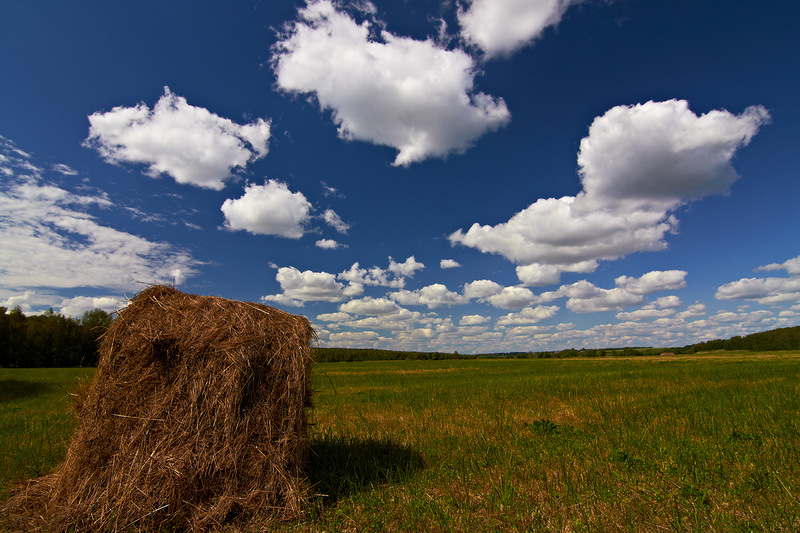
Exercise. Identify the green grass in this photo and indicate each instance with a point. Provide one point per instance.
(686, 443)
(35, 420)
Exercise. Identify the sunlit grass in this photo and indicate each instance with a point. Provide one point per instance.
(647, 444)
(688, 443)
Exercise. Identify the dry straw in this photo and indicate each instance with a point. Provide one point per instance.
(196, 419)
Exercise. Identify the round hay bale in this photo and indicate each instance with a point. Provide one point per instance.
(195, 419)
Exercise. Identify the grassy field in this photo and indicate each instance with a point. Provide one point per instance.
(685, 443)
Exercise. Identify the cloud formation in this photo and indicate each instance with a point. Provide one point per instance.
(502, 26)
(766, 291)
(50, 238)
(637, 166)
(433, 296)
(328, 244)
(307, 286)
(332, 219)
(78, 305)
(393, 276)
(269, 209)
(529, 315)
(655, 281)
(191, 144)
(414, 96)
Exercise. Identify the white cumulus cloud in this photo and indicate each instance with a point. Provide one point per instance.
(657, 280)
(512, 298)
(78, 305)
(191, 144)
(328, 244)
(389, 90)
(763, 290)
(269, 209)
(637, 165)
(370, 306)
(405, 269)
(433, 296)
(539, 275)
(481, 288)
(529, 315)
(584, 297)
(393, 276)
(792, 266)
(473, 320)
(502, 26)
(307, 286)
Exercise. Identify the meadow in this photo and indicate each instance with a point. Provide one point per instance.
(707, 442)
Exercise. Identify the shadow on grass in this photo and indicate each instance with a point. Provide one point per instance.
(340, 466)
(14, 389)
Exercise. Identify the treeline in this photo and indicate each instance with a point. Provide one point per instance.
(772, 340)
(334, 355)
(592, 352)
(776, 339)
(50, 339)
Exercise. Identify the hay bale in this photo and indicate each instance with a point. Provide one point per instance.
(196, 418)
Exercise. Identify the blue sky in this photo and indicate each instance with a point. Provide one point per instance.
(480, 176)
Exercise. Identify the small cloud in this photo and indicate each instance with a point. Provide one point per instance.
(306, 286)
(473, 320)
(481, 288)
(406, 268)
(329, 244)
(335, 221)
(502, 26)
(529, 315)
(792, 266)
(512, 298)
(433, 296)
(370, 306)
(64, 169)
(655, 281)
(449, 263)
(191, 144)
(331, 191)
(77, 306)
(269, 209)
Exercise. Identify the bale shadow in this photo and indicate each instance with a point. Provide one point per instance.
(340, 466)
(15, 389)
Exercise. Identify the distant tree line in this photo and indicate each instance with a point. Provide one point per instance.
(776, 339)
(50, 339)
(591, 352)
(333, 355)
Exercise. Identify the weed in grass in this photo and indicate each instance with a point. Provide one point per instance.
(544, 427)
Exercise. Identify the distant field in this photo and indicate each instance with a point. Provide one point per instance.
(683, 443)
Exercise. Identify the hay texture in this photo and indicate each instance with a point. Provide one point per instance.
(195, 420)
